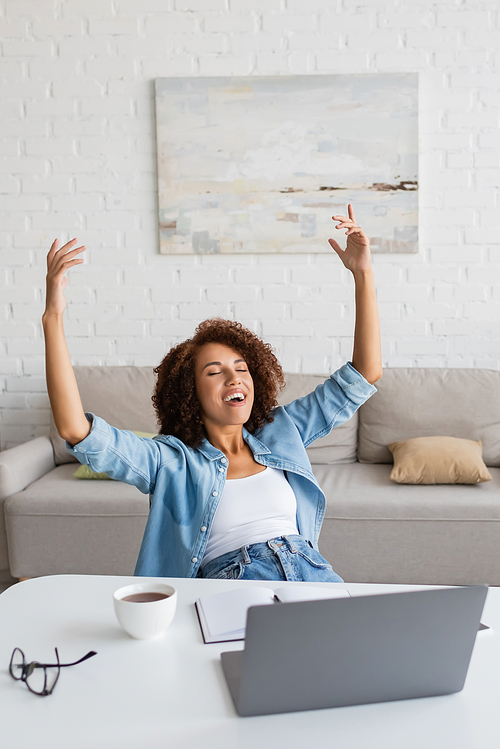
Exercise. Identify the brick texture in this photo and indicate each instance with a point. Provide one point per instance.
(77, 158)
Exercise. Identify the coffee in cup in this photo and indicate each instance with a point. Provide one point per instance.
(146, 597)
(145, 610)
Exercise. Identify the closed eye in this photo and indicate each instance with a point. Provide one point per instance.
(210, 374)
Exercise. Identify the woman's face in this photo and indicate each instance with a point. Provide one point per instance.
(224, 386)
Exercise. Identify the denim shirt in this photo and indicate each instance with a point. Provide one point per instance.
(185, 484)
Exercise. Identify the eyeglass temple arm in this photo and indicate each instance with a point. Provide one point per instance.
(63, 665)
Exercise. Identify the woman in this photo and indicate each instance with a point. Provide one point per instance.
(232, 492)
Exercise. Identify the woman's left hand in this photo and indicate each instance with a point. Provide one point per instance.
(356, 256)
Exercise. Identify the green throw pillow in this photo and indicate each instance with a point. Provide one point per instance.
(84, 472)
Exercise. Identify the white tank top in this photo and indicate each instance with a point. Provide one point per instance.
(252, 510)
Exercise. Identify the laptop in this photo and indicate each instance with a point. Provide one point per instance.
(353, 651)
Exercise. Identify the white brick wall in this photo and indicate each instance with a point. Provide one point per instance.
(77, 155)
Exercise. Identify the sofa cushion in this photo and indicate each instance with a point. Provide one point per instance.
(366, 492)
(410, 403)
(409, 533)
(58, 492)
(337, 447)
(59, 525)
(120, 395)
(438, 460)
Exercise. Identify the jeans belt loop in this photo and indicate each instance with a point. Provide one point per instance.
(275, 546)
(246, 556)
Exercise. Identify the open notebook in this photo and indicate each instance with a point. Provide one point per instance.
(223, 616)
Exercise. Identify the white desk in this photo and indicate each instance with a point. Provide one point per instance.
(172, 693)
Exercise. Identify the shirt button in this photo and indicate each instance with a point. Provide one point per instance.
(221, 469)
(214, 494)
(194, 559)
(203, 528)
(223, 460)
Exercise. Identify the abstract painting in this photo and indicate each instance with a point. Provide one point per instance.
(260, 164)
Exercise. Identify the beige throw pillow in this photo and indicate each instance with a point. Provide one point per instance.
(438, 460)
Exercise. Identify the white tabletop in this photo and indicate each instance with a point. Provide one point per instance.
(171, 692)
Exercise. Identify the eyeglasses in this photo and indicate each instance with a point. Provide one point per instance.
(35, 674)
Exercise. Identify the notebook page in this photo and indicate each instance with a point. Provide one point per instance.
(290, 593)
(226, 613)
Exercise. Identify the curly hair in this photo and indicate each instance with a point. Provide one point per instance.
(174, 398)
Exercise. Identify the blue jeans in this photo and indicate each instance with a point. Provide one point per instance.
(281, 558)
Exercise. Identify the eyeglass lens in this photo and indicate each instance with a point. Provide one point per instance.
(38, 678)
(17, 664)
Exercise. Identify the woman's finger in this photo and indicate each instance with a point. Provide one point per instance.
(71, 241)
(335, 246)
(52, 251)
(67, 246)
(70, 256)
(60, 260)
(350, 210)
(55, 250)
(72, 253)
(76, 261)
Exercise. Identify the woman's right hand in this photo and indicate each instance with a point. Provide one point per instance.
(58, 262)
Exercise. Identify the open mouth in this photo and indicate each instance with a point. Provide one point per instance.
(236, 400)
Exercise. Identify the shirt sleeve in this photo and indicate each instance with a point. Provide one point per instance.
(330, 404)
(121, 454)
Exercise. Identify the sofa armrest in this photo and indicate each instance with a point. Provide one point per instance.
(24, 464)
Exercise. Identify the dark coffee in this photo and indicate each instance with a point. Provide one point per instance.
(146, 597)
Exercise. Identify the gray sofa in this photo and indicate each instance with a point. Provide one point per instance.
(374, 531)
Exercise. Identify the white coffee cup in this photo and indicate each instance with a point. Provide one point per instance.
(145, 619)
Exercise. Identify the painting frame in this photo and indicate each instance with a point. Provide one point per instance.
(259, 164)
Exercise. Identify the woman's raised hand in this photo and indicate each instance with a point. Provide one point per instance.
(356, 256)
(58, 262)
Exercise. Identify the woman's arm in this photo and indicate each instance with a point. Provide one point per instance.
(64, 397)
(367, 354)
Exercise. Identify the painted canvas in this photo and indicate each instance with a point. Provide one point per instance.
(260, 164)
